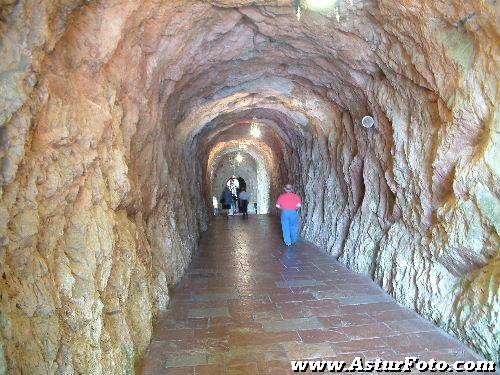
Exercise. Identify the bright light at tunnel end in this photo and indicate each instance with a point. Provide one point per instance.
(320, 4)
(239, 158)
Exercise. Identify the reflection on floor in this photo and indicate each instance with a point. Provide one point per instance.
(249, 305)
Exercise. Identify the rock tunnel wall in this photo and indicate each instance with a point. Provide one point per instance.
(444, 267)
(413, 202)
(104, 107)
(96, 220)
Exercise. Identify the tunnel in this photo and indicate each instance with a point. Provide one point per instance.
(121, 121)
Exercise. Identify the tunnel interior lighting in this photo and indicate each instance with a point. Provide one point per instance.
(255, 132)
(367, 121)
(331, 6)
(254, 129)
(239, 158)
(321, 4)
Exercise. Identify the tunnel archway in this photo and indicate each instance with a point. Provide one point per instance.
(236, 184)
(256, 167)
(114, 116)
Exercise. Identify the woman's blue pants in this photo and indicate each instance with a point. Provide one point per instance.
(290, 226)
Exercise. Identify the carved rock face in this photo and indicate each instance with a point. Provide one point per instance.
(113, 114)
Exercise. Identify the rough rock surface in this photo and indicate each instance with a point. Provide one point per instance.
(108, 114)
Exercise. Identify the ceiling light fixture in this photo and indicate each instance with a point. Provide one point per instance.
(367, 121)
(254, 129)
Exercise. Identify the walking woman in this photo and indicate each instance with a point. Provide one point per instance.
(289, 203)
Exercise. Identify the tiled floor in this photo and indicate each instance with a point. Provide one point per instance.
(249, 305)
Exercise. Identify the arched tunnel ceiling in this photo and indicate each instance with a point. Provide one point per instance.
(275, 125)
(211, 57)
(256, 149)
(232, 167)
(286, 65)
(286, 111)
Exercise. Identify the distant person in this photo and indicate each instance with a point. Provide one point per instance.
(289, 203)
(244, 198)
(234, 205)
(226, 199)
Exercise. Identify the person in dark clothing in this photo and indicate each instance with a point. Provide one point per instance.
(226, 199)
(244, 198)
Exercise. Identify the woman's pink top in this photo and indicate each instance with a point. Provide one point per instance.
(288, 201)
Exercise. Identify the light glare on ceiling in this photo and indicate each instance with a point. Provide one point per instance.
(255, 132)
(254, 129)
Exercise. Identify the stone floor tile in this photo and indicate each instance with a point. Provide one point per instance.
(410, 326)
(368, 308)
(353, 287)
(208, 312)
(215, 369)
(360, 300)
(384, 354)
(317, 335)
(298, 351)
(292, 324)
(249, 305)
(298, 283)
(276, 368)
(242, 369)
(346, 320)
(188, 359)
(154, 365)
(258, 338)
(291, 297)
(214, 296)
(437, 340)
(405, 344)
(262, 316)
(360, 346)
(327, 303)
(242, 353)
(367, 331)
(164, 334)
(292, 312)
(179, 371)
(169, 322)
(217, 321)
